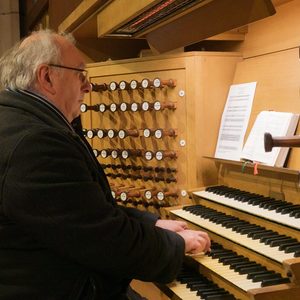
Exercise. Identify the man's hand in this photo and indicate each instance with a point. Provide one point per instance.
(195, 241)
(172, 225)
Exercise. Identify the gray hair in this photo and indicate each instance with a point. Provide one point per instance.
(18, 65)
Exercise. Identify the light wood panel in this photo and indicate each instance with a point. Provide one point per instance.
(275, 33)
(9, 24)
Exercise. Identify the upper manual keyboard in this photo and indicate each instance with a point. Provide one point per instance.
(280, 211)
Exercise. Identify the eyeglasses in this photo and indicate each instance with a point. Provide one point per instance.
(82, 73)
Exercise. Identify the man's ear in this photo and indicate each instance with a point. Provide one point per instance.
(45, 79)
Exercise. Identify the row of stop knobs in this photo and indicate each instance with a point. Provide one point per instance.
(142, 177)
(139, 168)
(125, 106)
(125, 193)
(123, 133)
(133, 85)
(127, 153)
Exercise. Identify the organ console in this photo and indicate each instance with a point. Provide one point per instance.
(253, 220)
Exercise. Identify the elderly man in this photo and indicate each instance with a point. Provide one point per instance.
(62, 236)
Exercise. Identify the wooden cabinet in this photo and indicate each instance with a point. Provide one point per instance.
(191, 109)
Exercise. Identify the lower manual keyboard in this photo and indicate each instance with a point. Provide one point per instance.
(191, 285)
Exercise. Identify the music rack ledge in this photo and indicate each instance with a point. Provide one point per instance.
(248, 165)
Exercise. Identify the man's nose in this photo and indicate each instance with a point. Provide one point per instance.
(87, 86)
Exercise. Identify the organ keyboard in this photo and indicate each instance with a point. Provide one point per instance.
(255, 251)
(275, 210)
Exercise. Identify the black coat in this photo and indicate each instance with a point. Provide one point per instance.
(61, 232)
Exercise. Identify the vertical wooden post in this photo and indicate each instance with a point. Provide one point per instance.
(9, 24)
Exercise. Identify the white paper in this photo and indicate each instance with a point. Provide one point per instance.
(235, 120)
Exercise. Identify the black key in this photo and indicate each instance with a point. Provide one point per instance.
(286, 245)
(202, 290)
(230, 260)
(244, 228)
(266, 238)
(286, 210)
(267, 201)
(295, 211)
(195, 282)
(228, 256)
(241, 266)
(249, 229)
(231, 223)
(273, 281)
(253, 274)
(199, 286)
(297, 253)
(213, 292)
(252, 269)
(258, 234)
(279, 241)
(292, 248)
(262, 277)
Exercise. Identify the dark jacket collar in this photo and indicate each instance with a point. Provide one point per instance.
(36, 105)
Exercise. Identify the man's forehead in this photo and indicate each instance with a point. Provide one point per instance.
(69, 52)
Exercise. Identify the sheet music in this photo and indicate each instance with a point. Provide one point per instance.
(235, 120)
